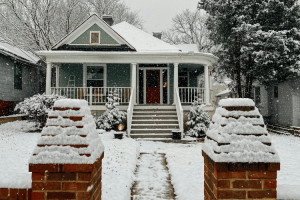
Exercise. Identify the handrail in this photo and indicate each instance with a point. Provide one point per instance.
(130, 110)
(179, 111)
(189, 94)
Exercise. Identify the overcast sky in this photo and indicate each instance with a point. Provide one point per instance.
(158, 14)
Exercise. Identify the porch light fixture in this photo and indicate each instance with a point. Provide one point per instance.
(165, 84)
(120, 127)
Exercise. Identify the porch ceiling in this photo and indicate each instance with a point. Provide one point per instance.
(128, 57)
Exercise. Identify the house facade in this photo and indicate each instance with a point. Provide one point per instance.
(97, 58)
(22, 75)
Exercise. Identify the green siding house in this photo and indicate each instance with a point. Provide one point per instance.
(97, 58)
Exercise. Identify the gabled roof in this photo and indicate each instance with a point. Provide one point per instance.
(16, 52)
(142, 41)
(93, 19)
(187, 47)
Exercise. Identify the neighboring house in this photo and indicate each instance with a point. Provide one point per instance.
(148, 73)
(284, 103)
(22, 75)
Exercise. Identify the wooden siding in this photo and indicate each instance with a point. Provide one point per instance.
(84, 38)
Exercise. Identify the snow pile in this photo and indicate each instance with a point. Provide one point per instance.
(239, 136)
(118, 166)
(60, 138)
(236, 102)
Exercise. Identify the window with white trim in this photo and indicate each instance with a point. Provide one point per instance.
(255, 95)
(95, 76)
(95, 37)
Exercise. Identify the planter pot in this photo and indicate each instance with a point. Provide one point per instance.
(176, 135)
(118, 135)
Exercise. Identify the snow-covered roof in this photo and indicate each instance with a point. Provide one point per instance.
(187, 47)
(227, 91)
(14, 51)
(141, 40)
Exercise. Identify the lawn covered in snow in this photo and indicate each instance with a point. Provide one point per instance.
(185, 163)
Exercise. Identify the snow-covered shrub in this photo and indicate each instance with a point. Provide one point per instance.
(37, 107)
(112, 117)
(198, 121)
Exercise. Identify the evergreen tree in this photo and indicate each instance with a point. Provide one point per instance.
(259, 38)
(198, 120)
(112, 117)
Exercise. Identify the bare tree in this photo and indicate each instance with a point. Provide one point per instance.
(189, 28)
(118, 9)
(39, 24)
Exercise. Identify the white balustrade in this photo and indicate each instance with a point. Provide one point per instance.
(130, 110)
(187, 95)
(94, 95)
(179, 111)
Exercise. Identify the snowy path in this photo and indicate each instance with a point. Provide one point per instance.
(152, 178)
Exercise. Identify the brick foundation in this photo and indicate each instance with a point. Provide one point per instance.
(66, 181)
(239, 180)
(15, 194)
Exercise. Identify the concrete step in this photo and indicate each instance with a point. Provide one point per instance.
(154, 117)
(150, 131)
(154, 126)
(155, 121)
(158, 135)
(154, 107)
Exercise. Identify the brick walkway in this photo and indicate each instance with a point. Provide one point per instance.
(152, 179)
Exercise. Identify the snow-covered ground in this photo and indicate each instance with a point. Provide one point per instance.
(185, 163)
(16, 146)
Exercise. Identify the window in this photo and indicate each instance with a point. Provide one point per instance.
(183, 79)
(18, 76)
(275, 91)
(95, 37)
(95, 76)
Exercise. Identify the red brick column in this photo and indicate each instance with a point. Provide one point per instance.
(239, 180)
(66, 181)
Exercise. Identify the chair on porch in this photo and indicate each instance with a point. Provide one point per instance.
(127, 95)
(81, 93)
(98, 94)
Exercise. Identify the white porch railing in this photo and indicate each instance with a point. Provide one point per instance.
(130, 110)
(94, 95)
(179, 111)
(187, 94)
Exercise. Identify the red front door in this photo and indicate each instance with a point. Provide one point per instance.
(153, 86)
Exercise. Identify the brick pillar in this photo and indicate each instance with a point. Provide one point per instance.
(66, 181)
(67, 162)
(254, 174)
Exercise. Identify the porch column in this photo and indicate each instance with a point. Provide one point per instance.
(206, 82)
(48, 78)
(175, 79)
(57, 76)
(133, 80)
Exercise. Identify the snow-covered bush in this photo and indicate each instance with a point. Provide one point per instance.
(198, 120)
(37, 107)
(112, 117)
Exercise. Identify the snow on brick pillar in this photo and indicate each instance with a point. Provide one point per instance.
(240, 161)
(67, 162)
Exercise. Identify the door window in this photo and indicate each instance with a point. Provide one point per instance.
(153, 79)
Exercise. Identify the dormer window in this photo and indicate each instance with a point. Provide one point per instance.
(95, 37)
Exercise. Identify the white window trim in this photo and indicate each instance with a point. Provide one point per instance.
(91, 37)
(94, 64)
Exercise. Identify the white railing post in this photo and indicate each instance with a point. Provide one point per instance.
(179, 111)
(175, 79)
(133, 79)
(91, 95)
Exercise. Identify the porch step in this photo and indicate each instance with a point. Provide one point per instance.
(155, 121)
(154, 126)
(155, 113)
(152, 135)
(155, 117)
